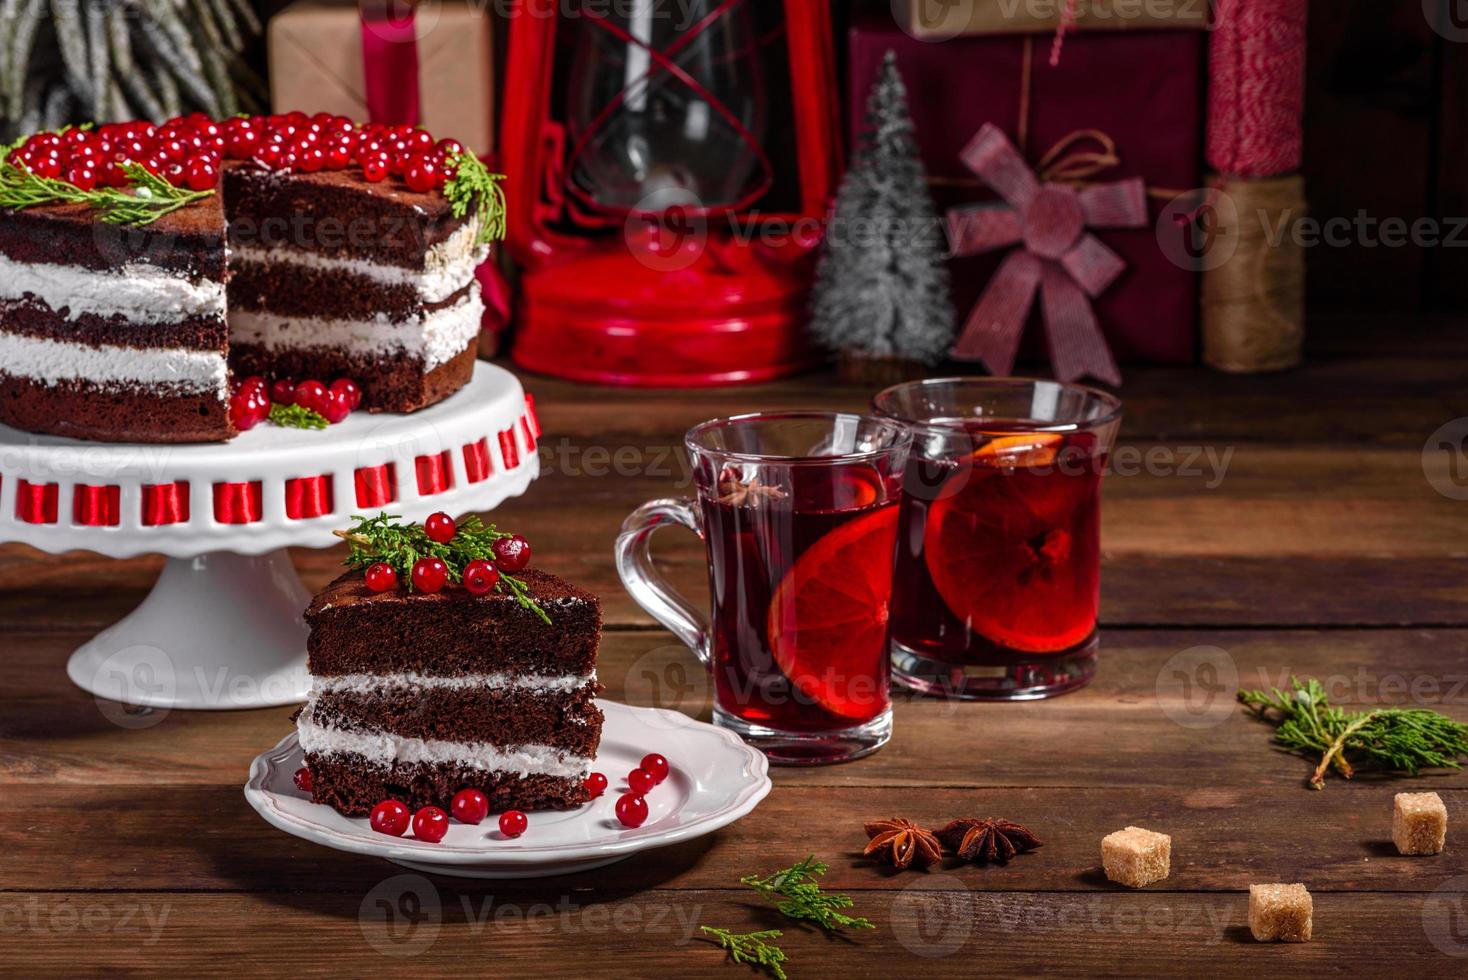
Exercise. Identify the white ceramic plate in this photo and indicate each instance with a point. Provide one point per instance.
(714, 780)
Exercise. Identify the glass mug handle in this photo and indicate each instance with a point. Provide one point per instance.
(634, 564)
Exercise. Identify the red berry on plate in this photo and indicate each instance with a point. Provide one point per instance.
(335, 407)
(430, 824)
(283, 392)
(440, 527)
(631, 810)
(353, 390)
(641, 781)
(302, 779)
(480, 577)
(390, 817)
(247, 409)
(381, 577)
(430, 574)
(596, 784)
(311, 394)
(655, 766)
(469, 806)
(253, 383)
(511, 554)
(513, 823)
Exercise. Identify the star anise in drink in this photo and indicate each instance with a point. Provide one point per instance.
(901, 843)
(988, 841)
(737, 493)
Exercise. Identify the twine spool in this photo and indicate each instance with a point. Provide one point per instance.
(1253, 302)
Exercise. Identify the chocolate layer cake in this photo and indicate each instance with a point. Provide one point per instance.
(416, 696)
(132, 333)
(114, 333)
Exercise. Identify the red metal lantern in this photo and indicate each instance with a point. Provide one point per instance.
(670, 166)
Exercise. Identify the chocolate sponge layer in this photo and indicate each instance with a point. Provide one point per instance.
(452, 633)
(353, 786)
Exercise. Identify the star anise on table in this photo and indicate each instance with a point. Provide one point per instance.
(987, 841)
(736, 493)
(901, 843)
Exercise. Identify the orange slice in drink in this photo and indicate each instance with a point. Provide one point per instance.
(1002, 554)
(827, 622)
(1026, 449)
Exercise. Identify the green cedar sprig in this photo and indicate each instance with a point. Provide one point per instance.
(1403, 740)
(147, 198)
(386, 538)
(797, 894)
(751, 948)
(474, 187)
(296, 417)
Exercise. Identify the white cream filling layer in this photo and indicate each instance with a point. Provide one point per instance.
(437, 338)
(411, 680)
(53, 361)
(143, 293)
(383, 748)
(447, 267)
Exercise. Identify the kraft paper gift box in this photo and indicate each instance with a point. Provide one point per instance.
(316, 65)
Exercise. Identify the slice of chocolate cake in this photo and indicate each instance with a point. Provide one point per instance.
(417, 695)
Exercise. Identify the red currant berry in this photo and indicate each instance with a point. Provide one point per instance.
(338, 155)
(82, 177)
(430, 574)
(283, 392)
(440, 527)
(311, 159)
(374, 168)
(631, 810)
(596, 784)
(469, 806)
(640, 781)
(311, 394)
(511, 554)
(302, 779)
(480, 577)
(353, 390)
(513, 823)
(655, 766)
(381, 577)
(247, 409)
(336, 407)
(421, 173)
(253, 383)
(450, 148)
(47, 166)
(430, 824)
(270, 156)
(390, 817)
(201, 174)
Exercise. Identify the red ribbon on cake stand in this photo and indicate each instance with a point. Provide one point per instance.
(1058, 257)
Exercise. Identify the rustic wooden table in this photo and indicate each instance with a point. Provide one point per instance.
(1290, 522)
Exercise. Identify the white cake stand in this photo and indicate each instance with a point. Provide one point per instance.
(222, 628)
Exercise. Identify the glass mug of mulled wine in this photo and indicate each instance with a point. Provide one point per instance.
(798, 515)
(998, 569)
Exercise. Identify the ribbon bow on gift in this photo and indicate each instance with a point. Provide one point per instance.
(1058, 255)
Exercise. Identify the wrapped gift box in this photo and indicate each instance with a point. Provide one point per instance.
(316, 65)
(1143, 88)
(937, 19)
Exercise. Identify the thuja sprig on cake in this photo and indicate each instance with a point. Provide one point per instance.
(1403, 740)
(473, 186)
(430, 555)
(142, 198)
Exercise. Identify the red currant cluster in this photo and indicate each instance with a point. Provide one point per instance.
(632, 806)
(186, 151)
(251, 402)
(431, 574)
(430, 824)
(296, 141)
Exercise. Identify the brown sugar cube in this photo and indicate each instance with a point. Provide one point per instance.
(1135, 857)
(1280, 913)
(1419, 823)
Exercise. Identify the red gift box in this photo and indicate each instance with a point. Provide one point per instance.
(1143, 89)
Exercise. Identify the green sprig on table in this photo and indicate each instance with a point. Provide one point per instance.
(147, 198)
(798, 895)
(1404, 740)
(752, 948)
(388, 539)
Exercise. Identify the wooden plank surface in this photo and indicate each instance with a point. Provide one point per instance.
(1321, 548)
